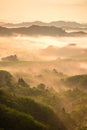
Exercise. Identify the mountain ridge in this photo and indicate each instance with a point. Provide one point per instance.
(36, 30)
(71, 24)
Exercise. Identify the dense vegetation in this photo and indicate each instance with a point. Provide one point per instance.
(20, 112)
(23, 107)
(79, 81)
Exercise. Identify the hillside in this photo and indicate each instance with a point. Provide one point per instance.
(79, 81)
(6, 79)
(16, 106)
(10, 119)
(36, 30)
(44, 107)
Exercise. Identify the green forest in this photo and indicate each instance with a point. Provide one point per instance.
(40, 108)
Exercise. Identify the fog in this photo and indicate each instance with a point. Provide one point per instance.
(48, 62)
(27, 48)
(39, 58)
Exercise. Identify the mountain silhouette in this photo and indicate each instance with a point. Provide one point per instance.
(66, 24)
(36, 30)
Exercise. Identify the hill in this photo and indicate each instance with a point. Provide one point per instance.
(11, 119)
(6, 79)
(67, 24)
(43, 107)
(26, 110)
(36, 30)
(33, 30)
(10, 58)
(77, 81)
(18, 111)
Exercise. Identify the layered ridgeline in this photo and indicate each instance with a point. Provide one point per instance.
(19, 112)
(36, 30)
(63, 24)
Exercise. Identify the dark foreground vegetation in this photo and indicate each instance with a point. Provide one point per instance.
(38, 108)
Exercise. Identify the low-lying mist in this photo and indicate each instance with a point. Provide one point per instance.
(30, 48)
(60, 57)
(43, 66)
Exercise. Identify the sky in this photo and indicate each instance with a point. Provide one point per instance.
(43, 10)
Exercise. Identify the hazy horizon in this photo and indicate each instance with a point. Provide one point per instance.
(31, 21)
(43, 10)
(43, 65)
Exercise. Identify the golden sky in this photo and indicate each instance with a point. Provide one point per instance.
(43, 10)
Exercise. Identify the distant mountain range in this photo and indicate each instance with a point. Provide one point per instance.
(62, 24)
(37, 30)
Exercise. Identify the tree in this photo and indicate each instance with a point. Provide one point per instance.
(41, 86)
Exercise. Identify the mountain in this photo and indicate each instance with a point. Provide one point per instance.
(23, 24)
(78, 33)
(40, 108)
(5, 31)
(19, 112)
(65, 24)
(28, 112)
(33, 30)
(36, 30)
